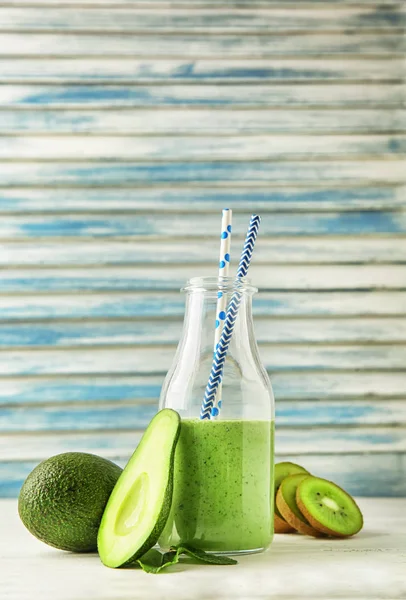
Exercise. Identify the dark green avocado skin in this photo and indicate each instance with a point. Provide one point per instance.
(63, 499)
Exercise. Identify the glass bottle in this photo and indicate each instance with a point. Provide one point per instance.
(223, 477)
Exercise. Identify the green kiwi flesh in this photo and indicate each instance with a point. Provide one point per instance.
(286, 503)
(283, 470)
(328, 508)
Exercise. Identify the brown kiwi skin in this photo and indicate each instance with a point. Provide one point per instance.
(318, 526)
(292, 519)
(280, 526)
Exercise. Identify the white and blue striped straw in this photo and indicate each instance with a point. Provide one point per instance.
(224, 268)
(216, 374)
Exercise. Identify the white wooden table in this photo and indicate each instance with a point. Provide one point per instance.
(370, 566)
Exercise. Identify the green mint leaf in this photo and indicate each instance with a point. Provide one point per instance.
(204, 557)
(153, 561)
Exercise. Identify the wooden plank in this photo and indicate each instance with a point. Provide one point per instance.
(130, 332)
(135, 226)
(109, 174)
(224, 20)
(310, 4)
(296, 440)
(132, 70)
(338, 414)
(287, 386)
(288, 440)
(200, 46)
(15, 308)
(175, 199)
(331, 386)
(177, 148)
(334, 440)
(149, 278)
(40, 445)
(32, 446)
(201, 121)
(76, 417)
(360, 474)
(270, 251)
(368, 95)
(66, 389)
(291, 420)
(157, 360)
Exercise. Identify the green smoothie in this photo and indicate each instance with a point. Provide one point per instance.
(222, 490)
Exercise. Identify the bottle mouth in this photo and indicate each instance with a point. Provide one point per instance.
(220, 284)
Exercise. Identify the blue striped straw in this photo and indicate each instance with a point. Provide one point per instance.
(224, 267)
(216, 374)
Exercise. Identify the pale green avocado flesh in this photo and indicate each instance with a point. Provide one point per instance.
(139, 505)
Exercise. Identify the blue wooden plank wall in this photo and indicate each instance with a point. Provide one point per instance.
(125, 127)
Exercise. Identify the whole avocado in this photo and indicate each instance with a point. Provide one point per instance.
(63, 499)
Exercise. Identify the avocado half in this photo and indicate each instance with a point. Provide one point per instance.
(139, 505)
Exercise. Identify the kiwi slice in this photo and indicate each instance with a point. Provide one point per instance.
(280, 525)
(283, 470)
(286, 503)
(328, 508)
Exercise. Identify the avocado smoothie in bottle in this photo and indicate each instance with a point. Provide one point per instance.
(221, 498)
(223, 472)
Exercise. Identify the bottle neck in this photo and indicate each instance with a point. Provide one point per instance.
(245, 386)
(201, 316)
